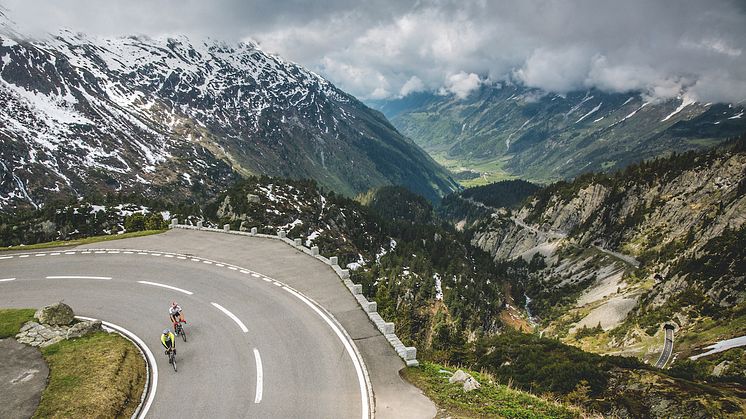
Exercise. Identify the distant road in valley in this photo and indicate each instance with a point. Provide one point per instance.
(667, 348)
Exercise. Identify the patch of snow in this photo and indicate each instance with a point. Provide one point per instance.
(438, 287)
(685, 101)
(737, 116)
(592, 111)
(721, 346)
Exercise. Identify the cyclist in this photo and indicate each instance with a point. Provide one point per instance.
(176, 314)
(168, 340)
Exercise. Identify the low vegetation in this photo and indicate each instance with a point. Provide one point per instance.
(83, 241)
(11, 320)
(99, 375)
(490, 400)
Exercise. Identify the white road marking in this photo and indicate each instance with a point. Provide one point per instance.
(219, 265)
(155, 254)
(166, 286)
(267, 279)
(128, 253)
(233, 268)
(181, 257)
(40, 254)
(256, 275)
(6, 257)
(24, 256)
(232, 316)
(350, 351)
(207, 262)
(168, 256)
(69, 253)
(87, 252)
(243, 271)
(195, 260)
(54, 254)
(259, 376)
(100, 252)
(113, 252)
(78, 277)
(148, 354)
(7, 279)
(278, 284)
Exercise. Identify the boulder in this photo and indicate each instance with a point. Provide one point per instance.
(720, 369)
(252, 198)
(459, 377)
(83, 328)
(471, 384)
(59, 314)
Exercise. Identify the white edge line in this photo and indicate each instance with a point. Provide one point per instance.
(148, 354)
(259, 376)
(232, 316)
(7, 279)
(350, 351)
(78, 277)
(166, 286)
(6, 257)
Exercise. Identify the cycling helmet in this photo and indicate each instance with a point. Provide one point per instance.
(173, 304)
(166, 331)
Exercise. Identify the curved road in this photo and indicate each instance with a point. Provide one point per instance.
(667, 348)
(255, 347)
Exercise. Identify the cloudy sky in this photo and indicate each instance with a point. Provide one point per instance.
(391, 48)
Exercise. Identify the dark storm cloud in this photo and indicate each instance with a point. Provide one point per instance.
(378, 49)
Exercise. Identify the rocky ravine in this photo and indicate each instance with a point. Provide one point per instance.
(595, 230)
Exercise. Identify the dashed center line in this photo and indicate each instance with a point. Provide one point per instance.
(232, 316)
(78, 277)
(7, 279)
(166, 286)
(6, 257)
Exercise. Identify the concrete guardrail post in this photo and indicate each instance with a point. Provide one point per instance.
(357, 289)
(226, 227)
(174, 222)
(253, 231)
(334, 261)
(199, 224)
(315, 250)
(298, 242)
(388, 328)
(372, 307)
(282, 234)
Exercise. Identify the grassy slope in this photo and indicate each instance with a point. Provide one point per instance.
(79, 242)
(11, 320)
(100, 375)
(491, 400)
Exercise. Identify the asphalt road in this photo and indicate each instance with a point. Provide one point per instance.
(667, 349)
(306, 368)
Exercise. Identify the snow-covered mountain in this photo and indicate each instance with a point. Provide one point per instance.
(546, 137)
(170, 116)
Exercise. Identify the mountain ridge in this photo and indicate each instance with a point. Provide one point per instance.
(171, 116)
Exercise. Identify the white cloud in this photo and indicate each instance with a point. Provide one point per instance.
(461, 84)
(396, 47)
(413, 85)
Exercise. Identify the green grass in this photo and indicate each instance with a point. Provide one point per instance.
(100, 375)
(491, 400)
(11, 320)
(492, 170)
(86, 240)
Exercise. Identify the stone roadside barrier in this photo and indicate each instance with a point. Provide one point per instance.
(407, 353)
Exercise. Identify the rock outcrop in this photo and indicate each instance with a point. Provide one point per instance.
(59, 314)
(469, 382)
(55, 323)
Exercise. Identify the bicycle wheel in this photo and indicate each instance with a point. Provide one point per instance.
(183, 333)
(173, 361)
